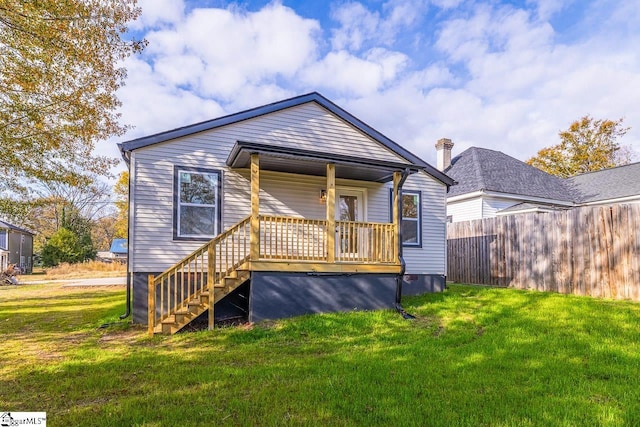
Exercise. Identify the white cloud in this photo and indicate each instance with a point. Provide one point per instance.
(447, 4)
(340, 71)
(496, 76)
(546, 9)
(158, 13)
(358, 25)
(361, 27)
(230, 49)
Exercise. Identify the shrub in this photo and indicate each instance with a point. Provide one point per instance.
(67, 246)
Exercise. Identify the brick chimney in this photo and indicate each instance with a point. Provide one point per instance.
(443, 150)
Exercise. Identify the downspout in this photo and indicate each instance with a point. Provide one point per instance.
(403, 266)
(127, 313)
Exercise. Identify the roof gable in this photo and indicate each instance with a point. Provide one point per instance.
(128, 146)
(480, 169)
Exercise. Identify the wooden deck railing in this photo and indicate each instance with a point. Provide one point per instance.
(280, 238)
(289, 238)
(366, 242)
(300, 239)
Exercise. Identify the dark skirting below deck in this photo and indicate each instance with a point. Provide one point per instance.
(417, 284)
(278, 295)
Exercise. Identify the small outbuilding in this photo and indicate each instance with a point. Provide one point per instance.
(118, 250)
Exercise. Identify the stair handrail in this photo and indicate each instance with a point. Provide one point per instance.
(208, 249)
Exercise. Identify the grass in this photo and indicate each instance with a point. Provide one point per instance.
(474, 356)
(84, 270)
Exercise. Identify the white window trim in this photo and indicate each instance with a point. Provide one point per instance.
(178, 204)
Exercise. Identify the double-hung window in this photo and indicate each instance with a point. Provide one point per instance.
(197, 203)
(411, 221)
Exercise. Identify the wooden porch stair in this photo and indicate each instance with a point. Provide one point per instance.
(196, 283)
(199, 303)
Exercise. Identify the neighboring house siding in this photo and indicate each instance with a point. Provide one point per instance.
(20, 250)
(491, 205)
(465, 210)
(305, 127)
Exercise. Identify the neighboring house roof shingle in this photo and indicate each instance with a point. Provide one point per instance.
(6, 225)
(480, 169)
(613, 183)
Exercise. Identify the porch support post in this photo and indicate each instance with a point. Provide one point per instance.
(331, 213)
(397, 176)
(254, 236)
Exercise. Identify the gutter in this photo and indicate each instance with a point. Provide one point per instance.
(403, 265)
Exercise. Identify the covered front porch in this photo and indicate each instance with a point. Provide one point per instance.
(284, 244)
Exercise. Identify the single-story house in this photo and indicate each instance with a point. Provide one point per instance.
(16, 247)
(491, 183)
(289, 208)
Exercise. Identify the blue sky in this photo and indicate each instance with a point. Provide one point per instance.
(504, 75)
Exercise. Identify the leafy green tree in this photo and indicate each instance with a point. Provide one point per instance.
(67, 246)
(588, 145)
(59, 72)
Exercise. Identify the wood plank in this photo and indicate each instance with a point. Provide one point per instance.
(151, 304)
(254, 236)
(211, 262)
(315, 267)
(331, 213)
(397, 215)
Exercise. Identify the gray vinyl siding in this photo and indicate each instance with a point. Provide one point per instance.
(465, 210)
(307, 126)
(431, 257)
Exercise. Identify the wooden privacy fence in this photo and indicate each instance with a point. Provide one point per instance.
(585, 251)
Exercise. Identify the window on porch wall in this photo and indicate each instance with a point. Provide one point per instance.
(411, 221)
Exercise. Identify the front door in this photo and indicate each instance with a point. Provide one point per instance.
(349, 208)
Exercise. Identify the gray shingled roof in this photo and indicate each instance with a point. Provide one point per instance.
(480, 169)
(621, 181)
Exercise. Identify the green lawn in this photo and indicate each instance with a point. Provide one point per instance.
(474, 356)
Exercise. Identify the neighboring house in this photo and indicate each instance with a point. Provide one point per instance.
(290, 205)
(118, 250)
(16, 247)
(491, 183)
